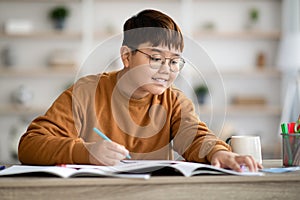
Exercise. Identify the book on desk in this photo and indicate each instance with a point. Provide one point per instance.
(142, 169)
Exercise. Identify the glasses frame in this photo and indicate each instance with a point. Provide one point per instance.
(163, 57)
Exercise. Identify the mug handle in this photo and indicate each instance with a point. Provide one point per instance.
(228, 140)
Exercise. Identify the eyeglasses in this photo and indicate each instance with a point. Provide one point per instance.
(157, 60)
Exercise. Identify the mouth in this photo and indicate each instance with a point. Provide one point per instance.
(161, 80)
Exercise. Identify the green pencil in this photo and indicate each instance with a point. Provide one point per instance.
(285, 135)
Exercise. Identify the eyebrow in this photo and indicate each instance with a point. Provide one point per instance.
(160, 51)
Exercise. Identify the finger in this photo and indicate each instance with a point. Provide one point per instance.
(117, 148)
(216, 163)
(101, 153)
(247, 161)
(115, 155)
(254, 163)
(109, 161)
(105, 160)
(260, 166)
(234, 165)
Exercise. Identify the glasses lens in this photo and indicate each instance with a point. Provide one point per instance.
(176, 64)
(156, 61)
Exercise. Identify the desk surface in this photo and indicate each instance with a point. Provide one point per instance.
(271, 186)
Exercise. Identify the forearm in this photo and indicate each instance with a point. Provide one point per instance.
(39, 149)
(202, 151)
(52, 139)
(197, 143)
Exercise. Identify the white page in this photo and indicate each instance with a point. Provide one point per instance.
(147, 166)
(190, 169)
(66, 172)
(23, 169)
(92, 172)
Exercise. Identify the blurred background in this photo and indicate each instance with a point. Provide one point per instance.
(253, 44)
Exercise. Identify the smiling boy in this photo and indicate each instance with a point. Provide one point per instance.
(136, 107)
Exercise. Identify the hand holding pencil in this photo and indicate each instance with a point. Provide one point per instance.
(106, 152)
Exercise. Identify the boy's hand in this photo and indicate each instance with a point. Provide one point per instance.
(106, 153)
(226, 159)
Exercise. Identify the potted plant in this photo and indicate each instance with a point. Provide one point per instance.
(201, 92)
(253, 17)
(58, 15)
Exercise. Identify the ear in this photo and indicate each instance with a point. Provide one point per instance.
(125, 52)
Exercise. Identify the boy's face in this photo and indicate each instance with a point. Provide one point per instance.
(145, 72)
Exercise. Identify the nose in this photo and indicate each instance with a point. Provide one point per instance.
(165, 67)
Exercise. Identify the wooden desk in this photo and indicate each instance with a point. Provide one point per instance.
(271, 186)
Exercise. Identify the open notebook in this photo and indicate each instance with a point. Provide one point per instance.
(127, 169)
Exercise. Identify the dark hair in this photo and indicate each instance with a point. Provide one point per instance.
(154, 27)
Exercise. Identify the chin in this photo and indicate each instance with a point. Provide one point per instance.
(157, 89)
(158, 92)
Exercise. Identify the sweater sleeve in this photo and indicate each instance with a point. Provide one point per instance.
(53, 138)
(192, 138)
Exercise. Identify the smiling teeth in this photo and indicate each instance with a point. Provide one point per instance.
(159, 79)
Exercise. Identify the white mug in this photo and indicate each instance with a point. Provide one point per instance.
(246, 145)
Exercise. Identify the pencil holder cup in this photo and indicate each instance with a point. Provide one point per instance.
(291, 149)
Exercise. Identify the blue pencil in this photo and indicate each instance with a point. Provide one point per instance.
(106, 138)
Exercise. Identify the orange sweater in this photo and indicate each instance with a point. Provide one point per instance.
(144, 126)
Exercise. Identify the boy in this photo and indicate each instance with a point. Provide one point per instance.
(136, 107)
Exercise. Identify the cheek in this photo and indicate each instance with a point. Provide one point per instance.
(173, 76)
(142, 74)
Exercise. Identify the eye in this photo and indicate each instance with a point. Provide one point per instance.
(156, 58)
(175, 61)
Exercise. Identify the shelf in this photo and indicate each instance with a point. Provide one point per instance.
(238, 35)
(133, 1)
(236, 0)
(182, 0)
(64, 35)
(41, 1)
(233, 110)
(271, 35)
(265, 73)
(11, 110)
(269, 72)
(38, 72)
(105, 34)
